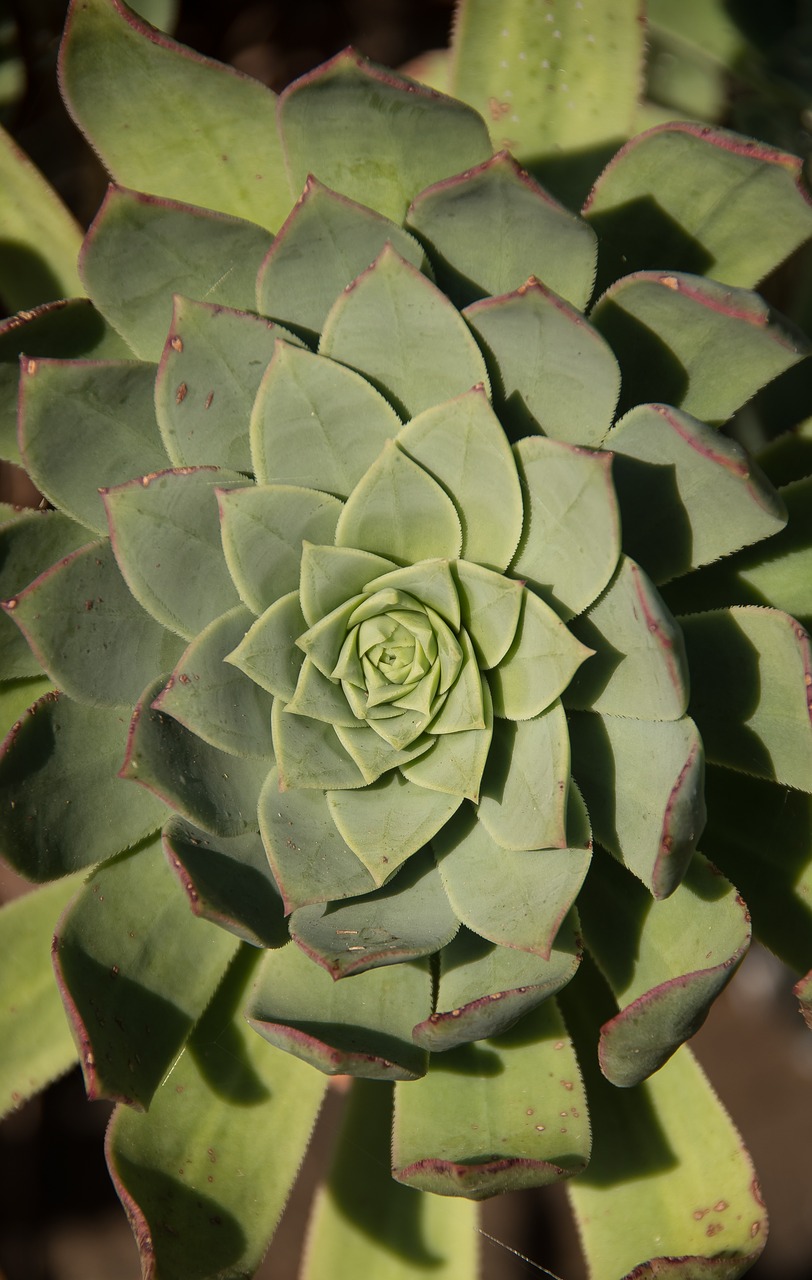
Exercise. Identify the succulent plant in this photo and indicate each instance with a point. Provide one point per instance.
(393, 637)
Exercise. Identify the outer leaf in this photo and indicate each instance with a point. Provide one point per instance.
(515, 899)
(506, 1114)
(571, 540)
(208, 378)
(17, 696)
(309, 753)
(227, 881)
(398, 510)
(130, 1016)
(454, 762)
(182, 1169)
(643, 785)
(490, 605)
(72, 412)
(213, 698)
(485, 988)
(524, 790)
(676, 960)
(362, 130)
(361, 1026)
(179, 249)
(264, 529)
(546, 85)
(310, 861)
(410, 918)
(268, 653)
(336, 239)
(463, 446)
(394, 321)
(29, 542)
(693, 343)
(639, 667)
(761, 834)
(191, 143)
(165, 532)
(316, 423)
(654, 1201)
(526, 231)
(389, 821)
(725, 206)
(372, 1224)
(69, 329)
(65, 806)
(211, 788)
(36, 225)
(569, 388)
(89, 634)
(751, 672)
(37, 1044)
(688, 494)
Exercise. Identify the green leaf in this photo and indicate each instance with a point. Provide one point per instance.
(760, 834)
(393, 322)
(213, 789)
(316, 423)
(375, 757)
(411, 917)
(179, 249)
(215, 700)
(210, 372)
(462, 445)
(64, 805)
(638, 668)
(643, 785)
(665, 964)
(90, 635)
(398, 510)
(384, 824)
(498, 1116)
(361, 1026)
(539, 664)
(524, 791)
(701, 346)
(490, 607)
(30, 541)
(431, 582)
(310, 861)
(569, 388)
(526, 231)
(40, 238)
(484, 989)
(652, 1193)
(515, 899)
(690, 198)
(165, 531)
(119, 948)
(309, 753)
(688, 494)
(331, 575)
(68, 329)
(750, 681)
(228, 881)
(75, 411)
(548, 87)
(366, 1224)
(264, 528)
(17, 696)
(455, 762)
(184, 1167)
(334, 239)
(363, 131)
(571, 541)
(268, 653)
(191, 142)
(37, 1043)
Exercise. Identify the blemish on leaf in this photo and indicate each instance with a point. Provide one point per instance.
(180, 394)
(176, 343)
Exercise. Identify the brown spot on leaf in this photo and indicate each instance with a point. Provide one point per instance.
(180, 394)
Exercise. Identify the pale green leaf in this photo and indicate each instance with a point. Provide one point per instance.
(491, 606)
(268, 652)
(540, 663)
(309, 753)
(331, 575)
(191, 142)
(397, 328)
(524, 789)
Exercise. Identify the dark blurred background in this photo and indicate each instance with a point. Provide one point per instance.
(59, 1217)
